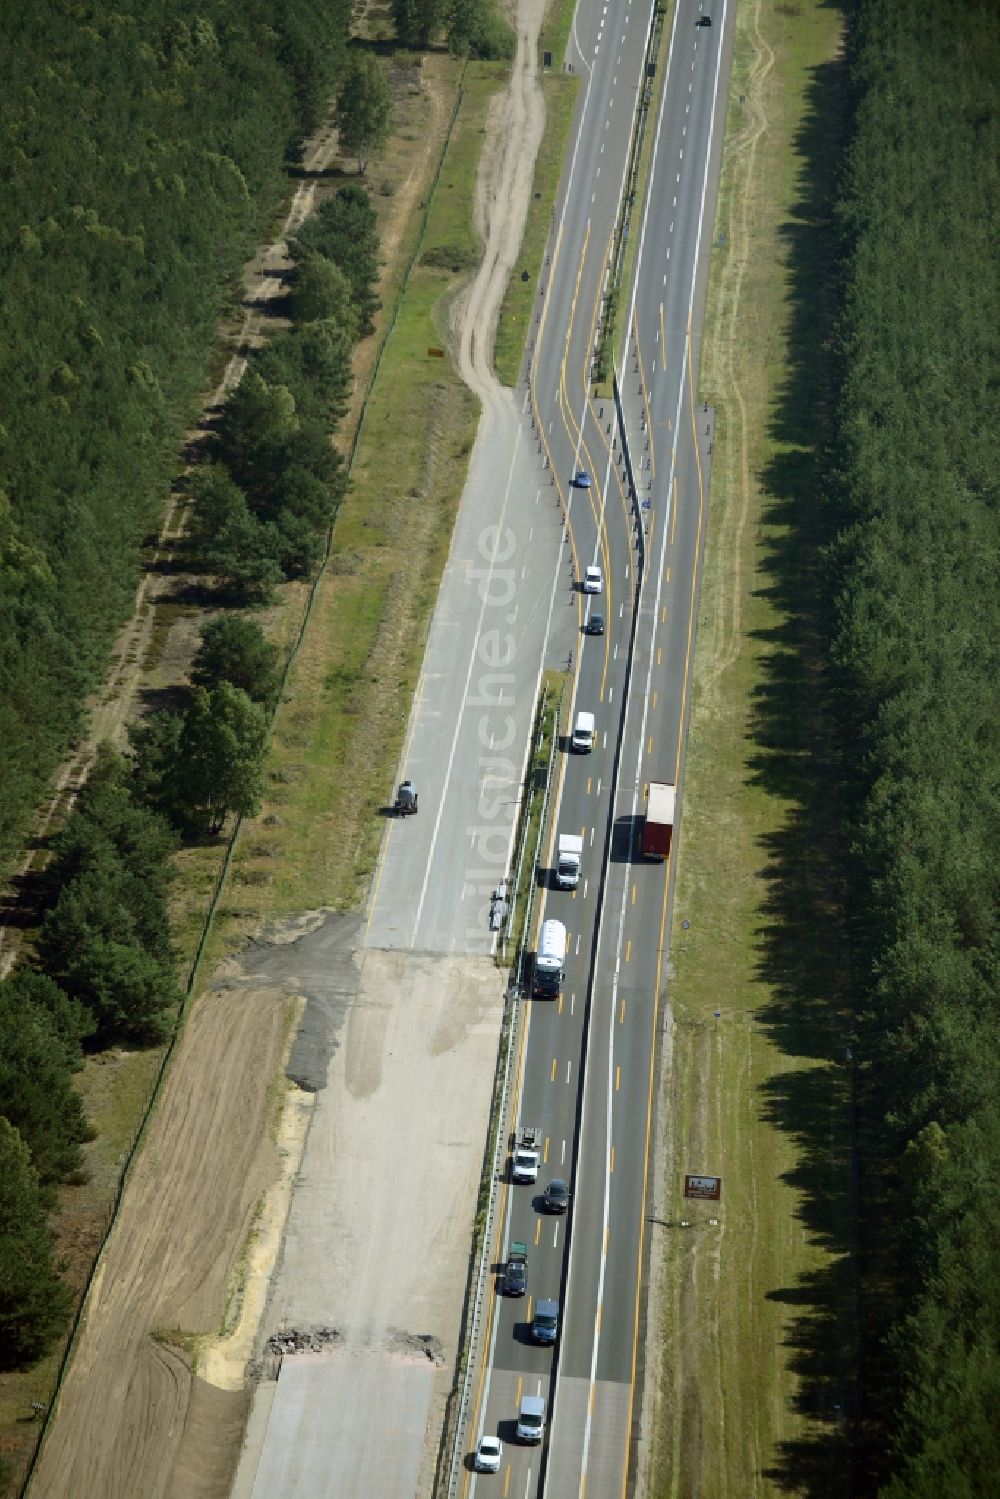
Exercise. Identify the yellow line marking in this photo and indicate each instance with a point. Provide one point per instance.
(552, 1074)
(538, 1230)
(663, 610)
(621, 1013)
(506, 1481)
(669, 570)
(633, 894)
(655, 696)
(611, 1162)
(659, 655)
(628, 950)
(559, 1003)
(618, 1082)
(649, 746)
(673, 516)
(545, 1151)
(589, 778)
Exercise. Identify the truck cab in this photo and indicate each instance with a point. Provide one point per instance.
(531, 1419)
(526, 1156)
(569, 860)
(582, 738)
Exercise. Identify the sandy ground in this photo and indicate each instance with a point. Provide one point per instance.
(399, 1050)
(186, 1212)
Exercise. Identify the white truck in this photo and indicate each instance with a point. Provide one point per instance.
(582, 738)
(568, 860)
(526, 1155)
(550, 960)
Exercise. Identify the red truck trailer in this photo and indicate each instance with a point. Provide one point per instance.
(659, 824)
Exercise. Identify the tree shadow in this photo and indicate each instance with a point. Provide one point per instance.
(803, 939)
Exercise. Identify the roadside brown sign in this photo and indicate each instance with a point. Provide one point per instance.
(707, 1188)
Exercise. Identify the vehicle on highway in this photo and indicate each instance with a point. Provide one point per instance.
(515, 1276)
(569, 860)
(545, 1323)
(594, 624)
(489, 1455)
(531, 1419)
(406, 799)
(659, 825)
(704, 21)
(582, 480)
(550, 959)
(556, 1197)
(582, 738)
(593, 579)
(526, 1155)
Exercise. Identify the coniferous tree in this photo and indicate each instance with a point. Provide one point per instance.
(234, 649)
(364, 108)
(34, 1302)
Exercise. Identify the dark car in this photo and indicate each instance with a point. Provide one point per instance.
(704, 21)
(582, 480)
(515, 1276)
(556, 1196)
(594, 625)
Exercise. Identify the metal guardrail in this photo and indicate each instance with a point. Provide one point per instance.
(502, 1107)
(523, 839)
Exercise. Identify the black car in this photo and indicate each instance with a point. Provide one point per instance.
(556, 1196)
(704, 21)
(515, 1278)
(594, 625)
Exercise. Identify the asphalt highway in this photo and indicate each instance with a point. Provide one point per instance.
(587, 1064)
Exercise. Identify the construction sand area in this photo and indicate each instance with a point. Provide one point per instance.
(405, 1046)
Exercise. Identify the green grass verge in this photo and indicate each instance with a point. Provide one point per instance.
(339, 733)
(747, 1306)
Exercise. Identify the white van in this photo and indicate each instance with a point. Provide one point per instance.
(550, 959)
(593, 580)
(531, 1419)
(583, 733)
